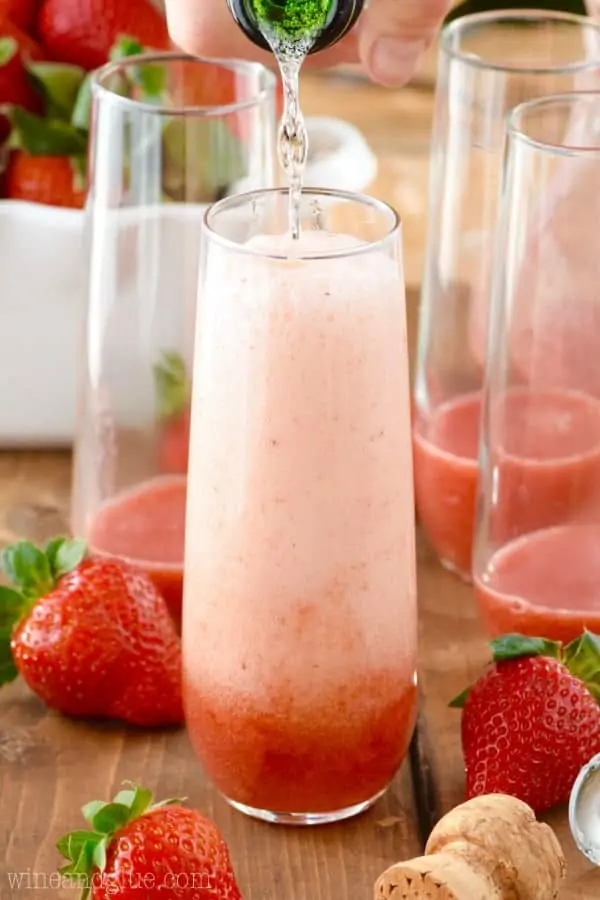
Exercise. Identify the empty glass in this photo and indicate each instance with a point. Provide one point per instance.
(300, 558)
(537, 560)
(488, 63)
(170, 135)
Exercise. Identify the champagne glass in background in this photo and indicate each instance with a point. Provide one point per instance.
(536, 563)
(488, 63)
(170, 135)
(300, 559)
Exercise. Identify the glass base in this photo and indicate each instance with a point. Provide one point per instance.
(455, 570)
(306, 818)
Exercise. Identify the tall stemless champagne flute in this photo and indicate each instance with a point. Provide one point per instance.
(170, 135)
(299, 624)
(488, 63)
(537, 560)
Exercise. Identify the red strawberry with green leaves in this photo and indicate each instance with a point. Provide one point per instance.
(83, 32)
(47, 163)
(139, 849)
(173, 393)
(92, 637)
(532, 720)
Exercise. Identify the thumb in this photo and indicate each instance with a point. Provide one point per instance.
(394, 34)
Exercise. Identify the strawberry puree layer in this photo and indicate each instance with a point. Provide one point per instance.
(299, 609)
(146, 526)
(544, 584)
(304, 754)
(445, 451)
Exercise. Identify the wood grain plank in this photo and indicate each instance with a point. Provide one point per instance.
(50, 766)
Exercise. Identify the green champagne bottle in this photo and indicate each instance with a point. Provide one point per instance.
(308, 25)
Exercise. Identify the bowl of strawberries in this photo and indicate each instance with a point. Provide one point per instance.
(47, 50)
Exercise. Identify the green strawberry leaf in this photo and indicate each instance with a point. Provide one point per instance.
(202, 158)
(582, 658)
(99, 855)
(13, 606)
(516, 646)
(8, 49)
(137, 799)
(40, 136)
(51, 550)
(125, 46)
(79, 168)
(28, 568)
(59, 84)
(459, 701)
(68, 556)
(8, 670)
(152, 82)
(110, 817)
(172, 385)
(151, 77)
(35, 571)
(81, 112)
(71, 845)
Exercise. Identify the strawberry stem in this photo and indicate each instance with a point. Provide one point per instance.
(173, 389)
(85, 851)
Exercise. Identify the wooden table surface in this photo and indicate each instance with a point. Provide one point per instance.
(49, 766)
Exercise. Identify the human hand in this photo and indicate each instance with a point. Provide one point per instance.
(389, 39)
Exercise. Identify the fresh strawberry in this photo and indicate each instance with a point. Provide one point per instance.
(173, 391)
(532, 720)
(21, 12)
(83, 32)
(51, 180)
(91, 637)
(16, 50)
(140, 849)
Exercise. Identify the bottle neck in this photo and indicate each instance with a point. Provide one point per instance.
(297, 27)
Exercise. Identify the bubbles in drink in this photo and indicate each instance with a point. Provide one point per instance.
(293, 138)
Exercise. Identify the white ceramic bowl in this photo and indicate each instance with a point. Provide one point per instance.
(44, 291)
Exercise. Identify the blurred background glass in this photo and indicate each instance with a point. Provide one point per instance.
(170, 135)
(536, 563)
(488, 64)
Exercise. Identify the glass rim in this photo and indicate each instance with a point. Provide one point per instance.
(101, 92)
(516, 132)
(236, 200)
(508, 16)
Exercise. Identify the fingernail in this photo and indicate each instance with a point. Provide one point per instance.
(392, 61)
